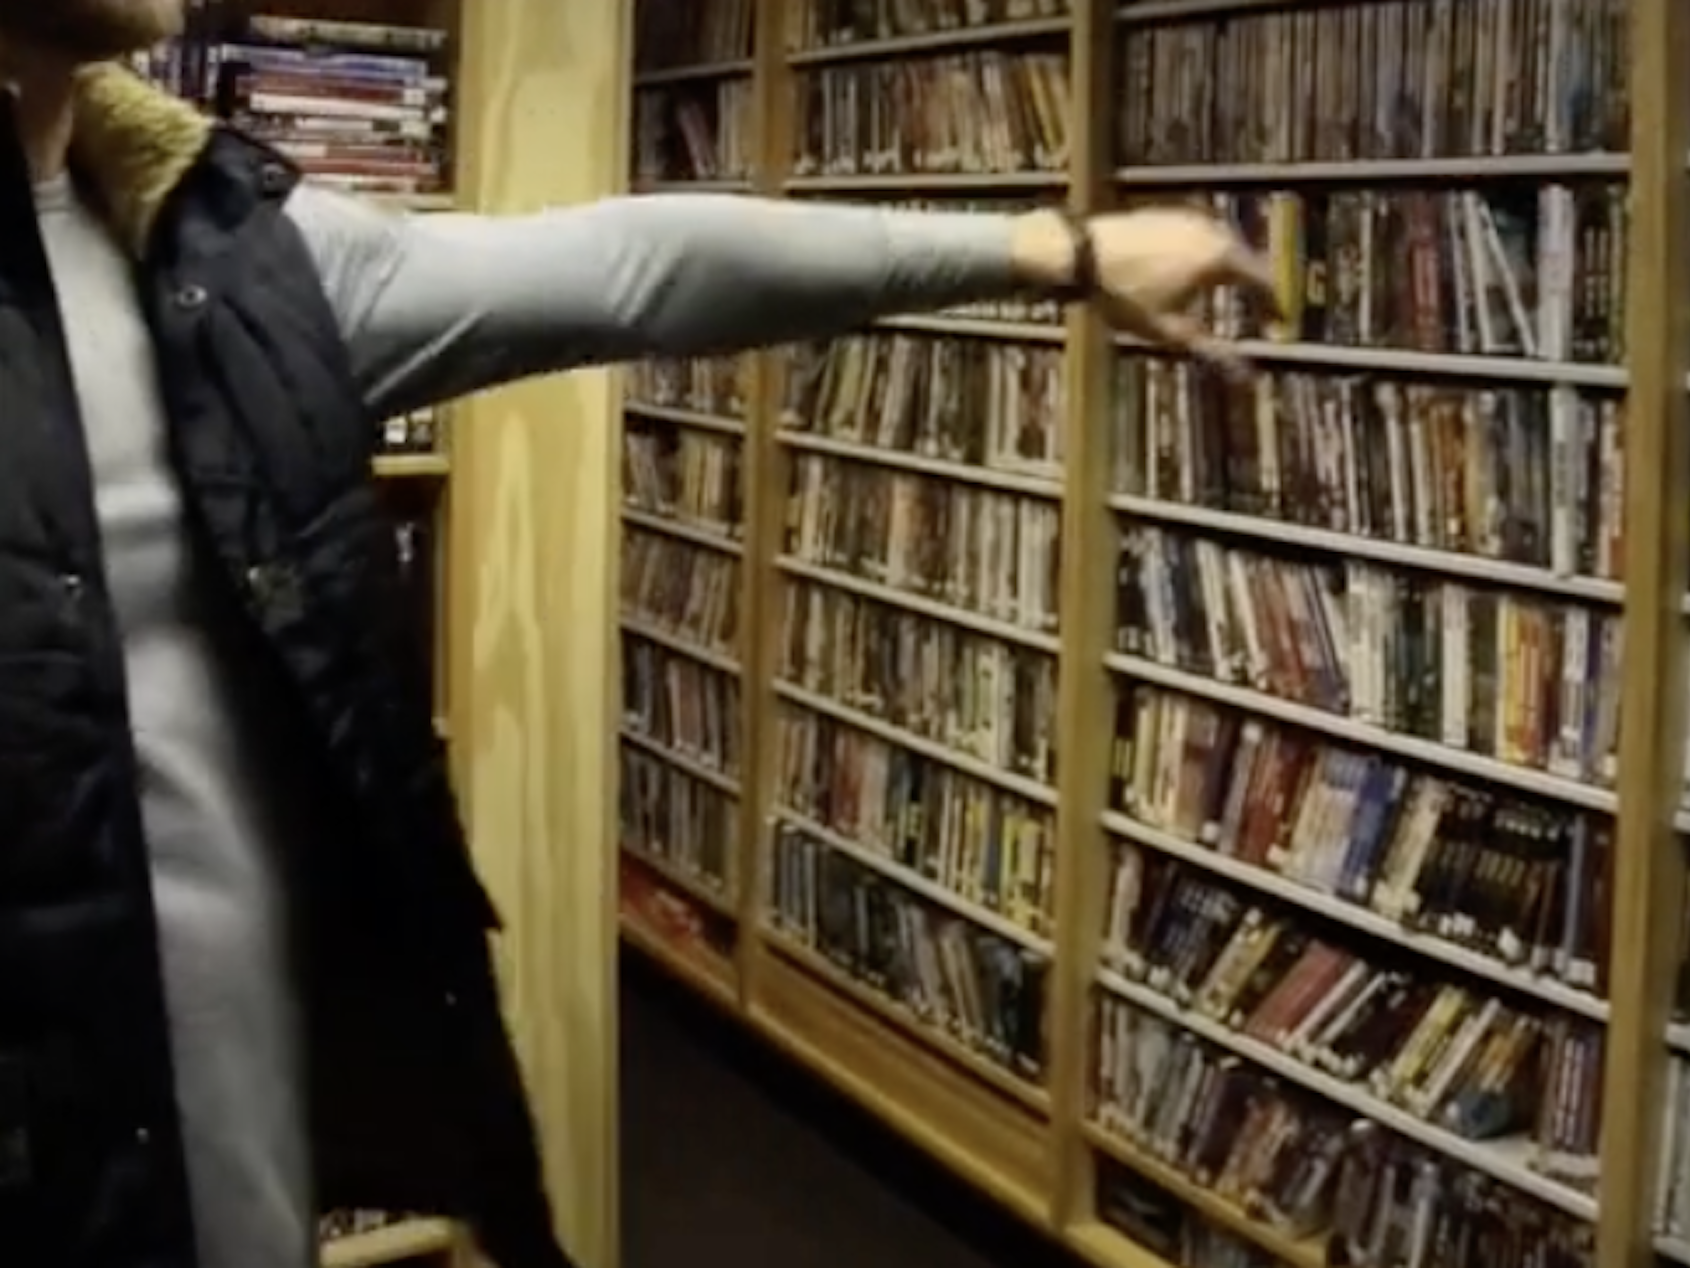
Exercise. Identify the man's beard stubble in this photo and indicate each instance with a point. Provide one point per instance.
(89, 30)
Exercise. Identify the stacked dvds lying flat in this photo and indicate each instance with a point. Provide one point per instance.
(359, 105)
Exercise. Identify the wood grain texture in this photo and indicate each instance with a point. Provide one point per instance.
(768, 472)
(541, 122)
(1649, 857)
(1085, 690)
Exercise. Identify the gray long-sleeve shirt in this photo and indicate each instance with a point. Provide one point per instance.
(431, 308)
(439, 306)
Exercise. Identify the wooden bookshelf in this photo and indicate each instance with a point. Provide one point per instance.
(1040, 1144)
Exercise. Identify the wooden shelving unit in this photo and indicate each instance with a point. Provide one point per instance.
(1041, 1142)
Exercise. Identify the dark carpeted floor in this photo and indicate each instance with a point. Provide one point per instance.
(732, 1158)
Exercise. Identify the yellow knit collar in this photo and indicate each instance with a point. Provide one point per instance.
(133, 144)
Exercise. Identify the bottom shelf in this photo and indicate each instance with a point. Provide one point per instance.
(698, 969)
(996, 1137)
(884, 1010)
(992, 1140)
(689, 940)
(408, 1239)
(984, 1124)
(1202, 1202)
(1104, 1246)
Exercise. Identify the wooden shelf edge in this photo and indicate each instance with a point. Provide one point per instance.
(694, 887)
(390, 1245)
(1101, 1245)
(411, 466)
(1105, 1246)
(888, 1012)
(414, 202)
(1294, 1253)
(713, 983)
(1007, 1192)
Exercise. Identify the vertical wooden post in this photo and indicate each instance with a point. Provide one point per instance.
(766, 483)
(1084, 692)
(543, 108)
(1648, 865)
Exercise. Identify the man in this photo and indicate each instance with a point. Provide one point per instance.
(243, 961)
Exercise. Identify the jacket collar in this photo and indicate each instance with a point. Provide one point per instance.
(133, 144)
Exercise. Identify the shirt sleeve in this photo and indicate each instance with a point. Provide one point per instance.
(437, 306)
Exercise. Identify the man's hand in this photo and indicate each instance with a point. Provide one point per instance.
(1152, 267)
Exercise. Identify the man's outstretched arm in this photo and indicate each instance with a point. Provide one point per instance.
(437, 306)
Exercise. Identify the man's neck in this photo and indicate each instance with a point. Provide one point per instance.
(45, 94)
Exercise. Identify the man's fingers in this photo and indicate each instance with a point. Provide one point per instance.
(1253, 271)
(1233, 263)
(1173, 328)
(1178, 330)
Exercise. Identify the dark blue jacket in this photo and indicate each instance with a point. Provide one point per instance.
(416, 1100)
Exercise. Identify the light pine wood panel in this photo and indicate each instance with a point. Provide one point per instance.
(1086, 691)
(1648, 872)
(767, 474)
(542, 117)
